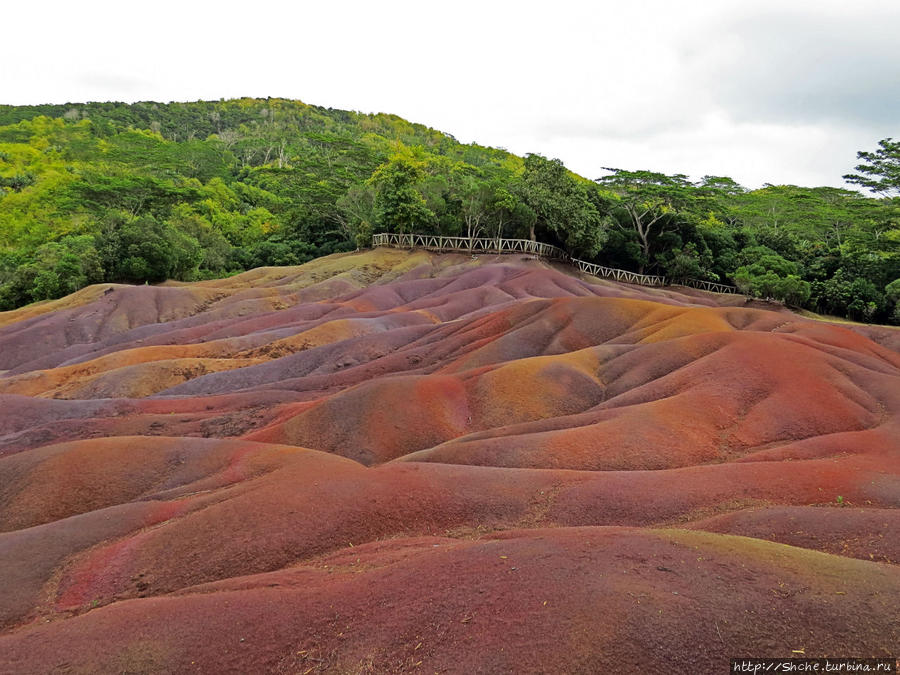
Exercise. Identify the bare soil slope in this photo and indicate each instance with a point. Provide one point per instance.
(405, 462)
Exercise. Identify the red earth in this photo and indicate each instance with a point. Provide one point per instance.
(391, 462)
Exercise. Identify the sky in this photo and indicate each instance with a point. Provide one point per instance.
(764, 91)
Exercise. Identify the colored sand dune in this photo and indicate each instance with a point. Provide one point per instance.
(399, 461)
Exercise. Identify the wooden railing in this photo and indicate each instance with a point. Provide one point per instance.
(708, 286)
(470, 245)
(496, 245)
(618, 275)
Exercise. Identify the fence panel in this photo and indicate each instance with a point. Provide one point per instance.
(443, 244)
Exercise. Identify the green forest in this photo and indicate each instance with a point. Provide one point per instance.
(146, 192)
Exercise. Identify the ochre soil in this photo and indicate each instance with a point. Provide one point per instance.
(391, 462)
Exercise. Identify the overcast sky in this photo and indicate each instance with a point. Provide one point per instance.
(779, 91)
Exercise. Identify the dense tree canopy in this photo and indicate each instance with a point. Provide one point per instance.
(144, 192)
(650, 201)
(565, 208)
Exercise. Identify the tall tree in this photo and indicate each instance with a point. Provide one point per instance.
(355, 214)
(562, 206)
(474, 196)
(399, 207)
(509, 214)
(649, 200)
(879, 170)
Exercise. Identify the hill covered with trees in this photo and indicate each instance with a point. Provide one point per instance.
(148, 191)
